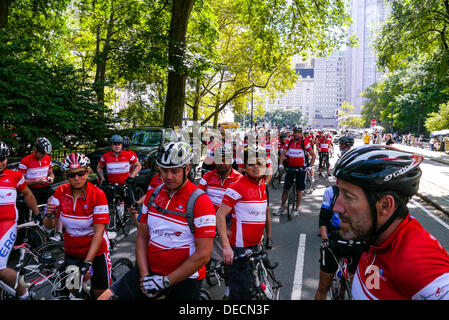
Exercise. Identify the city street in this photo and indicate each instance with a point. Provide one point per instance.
(296, 242)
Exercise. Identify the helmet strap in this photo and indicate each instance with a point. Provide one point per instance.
(374, 234)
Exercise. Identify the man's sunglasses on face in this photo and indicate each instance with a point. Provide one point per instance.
(258, 163)
(72, 175)
(2, 159)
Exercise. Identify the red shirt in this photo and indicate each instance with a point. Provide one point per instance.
(248, 198)
(118, 167)
(79, 216)
(34, 169)
(215, 188)
(324, 144)
(155, 181)
(171, 241)
(10, 182)
(410, 264)
(295, 152)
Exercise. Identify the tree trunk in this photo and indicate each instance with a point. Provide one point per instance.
(196, 103)
(174, 104)
(4, 10)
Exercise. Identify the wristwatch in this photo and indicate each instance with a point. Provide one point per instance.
(166, 282)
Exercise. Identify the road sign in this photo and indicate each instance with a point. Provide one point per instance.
(373, 122)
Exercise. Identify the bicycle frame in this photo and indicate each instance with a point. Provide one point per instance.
(341, 277)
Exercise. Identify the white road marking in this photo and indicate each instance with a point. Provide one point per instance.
(297, 282)
(444, 224)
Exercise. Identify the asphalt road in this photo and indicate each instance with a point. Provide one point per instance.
(296, 242)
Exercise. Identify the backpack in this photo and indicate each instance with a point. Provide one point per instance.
(189, 210)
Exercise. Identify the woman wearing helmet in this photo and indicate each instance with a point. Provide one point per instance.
(403, 261)
(83, 209)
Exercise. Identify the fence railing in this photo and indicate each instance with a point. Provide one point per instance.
(62, 153)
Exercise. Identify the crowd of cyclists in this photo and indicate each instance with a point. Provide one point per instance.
(181, 224)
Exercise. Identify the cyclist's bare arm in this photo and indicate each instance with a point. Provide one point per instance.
(313, 157)
(268, 223)
(136, 168)
(30, 200)
(100, 171)
(281, 161)
(97, 240)
(222, 212)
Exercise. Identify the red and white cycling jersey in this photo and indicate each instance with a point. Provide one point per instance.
(118, 167)
(155, 181)
(171, 241)
(324, 144)
(295, 152)
(248, 198)
(410, 264)
(215, 188)
(33, 168)
(10, 182)
(79, 216)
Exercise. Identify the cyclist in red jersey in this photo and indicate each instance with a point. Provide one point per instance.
(297, 151)
(247, 200)
(11, 182)
(403, 261)
(118, 163)
(324, 144)
(215, 183)
(37, 170)
(83, 210)
(170, 258)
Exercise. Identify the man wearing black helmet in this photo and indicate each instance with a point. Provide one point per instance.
(37, 170)
(403, 261)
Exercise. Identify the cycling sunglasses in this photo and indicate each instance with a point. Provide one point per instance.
(258, 163)
(72, 175)
(3, 159)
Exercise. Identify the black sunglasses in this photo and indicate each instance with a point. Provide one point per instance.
(78, 173)
(2, 159)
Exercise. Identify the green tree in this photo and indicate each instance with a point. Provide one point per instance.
(438, 120)
(281, 117)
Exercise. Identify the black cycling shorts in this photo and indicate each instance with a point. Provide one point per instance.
(101, 278)
(127, 287)
(299, 177)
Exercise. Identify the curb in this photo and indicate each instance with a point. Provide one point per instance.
(433, 203)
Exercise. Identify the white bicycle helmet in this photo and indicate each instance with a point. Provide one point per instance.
(43, 145)
(75, 160)
(4, 150)
(175, 155)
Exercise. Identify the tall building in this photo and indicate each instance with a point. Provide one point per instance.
(318, 93)
(361, 70)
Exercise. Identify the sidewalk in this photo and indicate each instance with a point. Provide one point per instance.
(434, 184)
(438, 156)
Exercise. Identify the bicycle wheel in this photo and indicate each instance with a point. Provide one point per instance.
(276, 180)
(36, 237)
(309, 185)
(291, 202)
(56, 251)
(204, 295)
(120, 267)
(272, 287)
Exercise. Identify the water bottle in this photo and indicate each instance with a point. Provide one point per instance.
(266, 291)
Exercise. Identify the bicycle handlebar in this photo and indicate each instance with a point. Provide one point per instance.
(252, 255)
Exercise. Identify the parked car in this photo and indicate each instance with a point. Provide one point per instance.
(145, 141)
